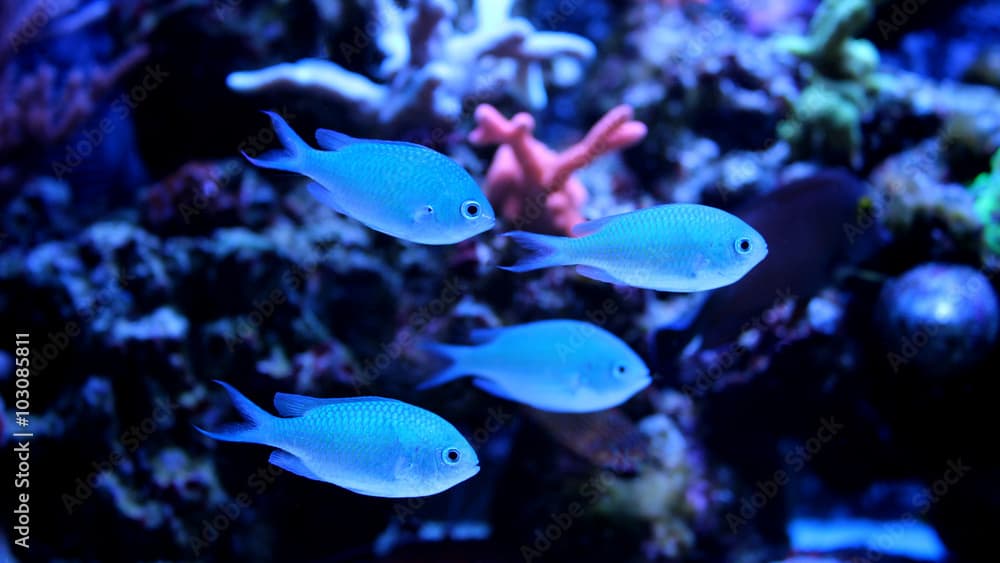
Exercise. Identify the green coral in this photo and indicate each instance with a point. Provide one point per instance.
(831, 46)
(826, 120)
(826, 117)
(986, 189)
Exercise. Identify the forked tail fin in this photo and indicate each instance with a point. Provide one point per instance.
(543, 251)
(455, 368)
(292, 154)
(253, 430)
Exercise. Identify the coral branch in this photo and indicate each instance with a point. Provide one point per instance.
(533, 186)
(431, 67)
(44, 107)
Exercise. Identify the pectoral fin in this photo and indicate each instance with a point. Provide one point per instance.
(575, 383)
(423, 213)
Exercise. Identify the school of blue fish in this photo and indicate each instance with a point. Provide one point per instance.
(387, 448)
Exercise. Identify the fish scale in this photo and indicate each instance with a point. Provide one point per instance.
(674, 247)
(401, 189)
(557, 365)
(642, 228)
(369, 445)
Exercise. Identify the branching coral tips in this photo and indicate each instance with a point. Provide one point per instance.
(369, 445)
(557, 365)
(401, 189)
(677, 247)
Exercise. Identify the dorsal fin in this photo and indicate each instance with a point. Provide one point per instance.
(332, 140)
(484, 335)
(591, 227)
(289, 404)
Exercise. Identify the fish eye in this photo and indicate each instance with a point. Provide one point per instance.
(620, 370)
(451, 456)
(743, 245)
(471, 209)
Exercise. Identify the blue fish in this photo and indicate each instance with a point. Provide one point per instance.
(554, 365)
(370, 445)
(677, 247)
(401, 189)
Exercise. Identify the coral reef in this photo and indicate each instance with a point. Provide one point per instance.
(431, 68)
(534, 187)
(842, 385)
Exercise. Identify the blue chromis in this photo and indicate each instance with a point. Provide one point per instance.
(677, 247)
(370, 445)
(554, 365)
(401, 189)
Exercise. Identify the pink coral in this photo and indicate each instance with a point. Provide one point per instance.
(533, 186)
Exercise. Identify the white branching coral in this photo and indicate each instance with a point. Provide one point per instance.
(431, 68)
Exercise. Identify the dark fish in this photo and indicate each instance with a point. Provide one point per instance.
(813, 227)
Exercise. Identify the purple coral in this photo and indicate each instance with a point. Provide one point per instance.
(45, 105)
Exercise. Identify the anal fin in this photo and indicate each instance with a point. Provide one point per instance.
(493, 389)
(598, 274)
(324, 196)
(289, 462)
